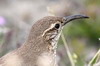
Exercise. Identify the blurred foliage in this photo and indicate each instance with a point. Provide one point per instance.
(1, 38)
(89, 2)
(83, 29)
(95, 60)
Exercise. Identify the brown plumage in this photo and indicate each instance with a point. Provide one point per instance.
(40, 47)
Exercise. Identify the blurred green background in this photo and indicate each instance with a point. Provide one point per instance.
(82, 36)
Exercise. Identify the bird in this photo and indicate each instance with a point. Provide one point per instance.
(39, 49)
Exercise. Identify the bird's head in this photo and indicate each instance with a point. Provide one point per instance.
(50, 27)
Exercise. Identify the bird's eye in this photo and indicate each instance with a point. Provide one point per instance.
(57, 26)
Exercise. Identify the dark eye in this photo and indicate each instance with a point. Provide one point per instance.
(57, 26)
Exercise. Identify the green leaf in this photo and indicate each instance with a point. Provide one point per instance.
(94, 59)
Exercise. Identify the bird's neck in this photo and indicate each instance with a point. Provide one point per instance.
(36, 45)
(37, 50)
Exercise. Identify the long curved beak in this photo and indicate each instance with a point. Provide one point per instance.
(73, 17)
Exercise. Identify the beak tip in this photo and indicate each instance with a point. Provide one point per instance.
(86, 16)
